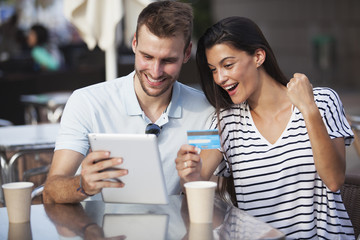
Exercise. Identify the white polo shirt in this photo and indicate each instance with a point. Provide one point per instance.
(112, 107)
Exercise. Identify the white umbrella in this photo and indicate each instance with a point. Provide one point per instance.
(97, 22)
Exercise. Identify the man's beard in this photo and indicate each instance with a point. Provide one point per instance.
(146, 90)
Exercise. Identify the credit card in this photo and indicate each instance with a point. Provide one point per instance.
(204, 139)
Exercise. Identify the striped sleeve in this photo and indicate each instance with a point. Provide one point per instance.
(224, 167)
(333, 114)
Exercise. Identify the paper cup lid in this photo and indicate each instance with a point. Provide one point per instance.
(200, 184)
(17, 185)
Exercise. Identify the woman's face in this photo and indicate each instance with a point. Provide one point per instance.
(31, 39)
(234, 70)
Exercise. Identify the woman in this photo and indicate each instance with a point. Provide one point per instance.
(283, 142)
(46, 56)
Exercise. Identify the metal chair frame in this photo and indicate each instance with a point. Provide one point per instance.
(350, 193)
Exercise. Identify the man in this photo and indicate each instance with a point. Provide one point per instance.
(150, 94)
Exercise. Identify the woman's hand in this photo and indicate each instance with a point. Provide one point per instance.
(188, 163)
(300, 92)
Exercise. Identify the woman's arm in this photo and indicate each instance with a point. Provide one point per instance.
(329, 154)
(211, 160)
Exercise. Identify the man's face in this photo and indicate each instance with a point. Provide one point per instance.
(158, 61)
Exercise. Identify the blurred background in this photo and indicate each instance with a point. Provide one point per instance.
(319, 38)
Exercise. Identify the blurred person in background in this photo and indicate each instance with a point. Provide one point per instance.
(12, 39)
(46, 55)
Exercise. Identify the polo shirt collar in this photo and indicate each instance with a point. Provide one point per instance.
(132, 105)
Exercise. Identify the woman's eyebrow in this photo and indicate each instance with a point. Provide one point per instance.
(223, 60)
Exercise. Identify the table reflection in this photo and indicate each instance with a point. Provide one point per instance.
(19, 231)
(99, 220)
(240, 225)
(71, 220)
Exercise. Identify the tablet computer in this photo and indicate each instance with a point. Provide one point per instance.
(145, 182)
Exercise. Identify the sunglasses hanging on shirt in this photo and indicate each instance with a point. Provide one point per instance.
(153, 128)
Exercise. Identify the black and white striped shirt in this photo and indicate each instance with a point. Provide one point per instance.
(278, 183)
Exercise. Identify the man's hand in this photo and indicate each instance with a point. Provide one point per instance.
(98, 171)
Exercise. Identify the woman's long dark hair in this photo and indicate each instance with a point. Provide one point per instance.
(42, 34)
(242, 34)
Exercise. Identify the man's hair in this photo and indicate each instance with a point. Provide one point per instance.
(166, 19)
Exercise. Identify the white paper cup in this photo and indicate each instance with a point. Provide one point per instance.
(200, 199)
(18, 201)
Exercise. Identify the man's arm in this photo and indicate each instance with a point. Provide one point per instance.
(62, 186)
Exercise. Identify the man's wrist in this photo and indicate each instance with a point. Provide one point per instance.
(82, 191)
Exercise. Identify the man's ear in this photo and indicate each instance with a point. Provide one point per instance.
(187, 54)
(134, 43)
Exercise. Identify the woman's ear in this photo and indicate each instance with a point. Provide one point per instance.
(260, 56)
